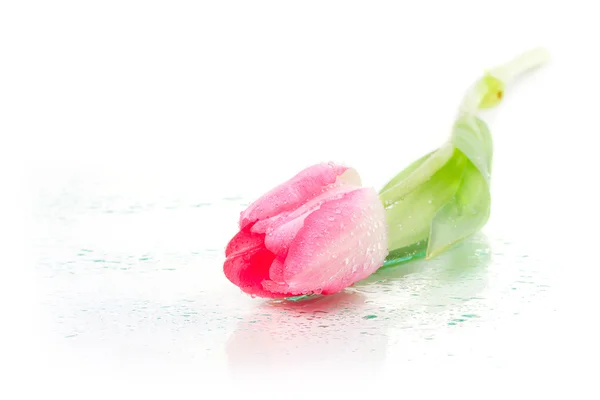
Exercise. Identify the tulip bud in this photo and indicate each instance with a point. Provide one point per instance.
(317, 233)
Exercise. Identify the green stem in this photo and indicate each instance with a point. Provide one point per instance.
(488, 91)
(508, 72)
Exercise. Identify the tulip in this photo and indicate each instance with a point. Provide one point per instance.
(317, 233)
(444, 197)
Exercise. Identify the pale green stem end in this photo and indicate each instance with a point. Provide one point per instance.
(488, 91)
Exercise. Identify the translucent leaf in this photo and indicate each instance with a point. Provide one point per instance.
(409, 213)
(405, 173)
(472, 137)
(444, 197)
(469, 209)
(466, 212)
(415, 174)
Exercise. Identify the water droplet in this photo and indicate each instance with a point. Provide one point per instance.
(331, 218)
(429, 201)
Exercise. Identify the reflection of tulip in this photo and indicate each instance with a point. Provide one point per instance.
(319, 232)
(310, 336)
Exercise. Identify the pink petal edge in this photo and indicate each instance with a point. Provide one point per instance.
(292, 194)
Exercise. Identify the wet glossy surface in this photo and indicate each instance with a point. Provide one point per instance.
(138, 277)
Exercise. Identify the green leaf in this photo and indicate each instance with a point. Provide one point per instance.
(469, 209)
(444, 197)
(463, 215)
(473, 138)
(409, 212)
(415, 174)
(401, 177)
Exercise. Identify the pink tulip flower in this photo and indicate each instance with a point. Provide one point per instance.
(317, 233)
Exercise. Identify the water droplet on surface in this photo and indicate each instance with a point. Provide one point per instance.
(429, 201)
(331, 218)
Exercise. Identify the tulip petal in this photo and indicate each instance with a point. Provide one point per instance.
(279, 240)
(276, 271)
(293, 193)
(249, 269)
(340, 243)
(244, 240)
(282, 230)
(248, 262)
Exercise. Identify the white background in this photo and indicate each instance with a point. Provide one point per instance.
(224, 99)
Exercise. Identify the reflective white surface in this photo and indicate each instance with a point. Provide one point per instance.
(141, 148)
(128, 275)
